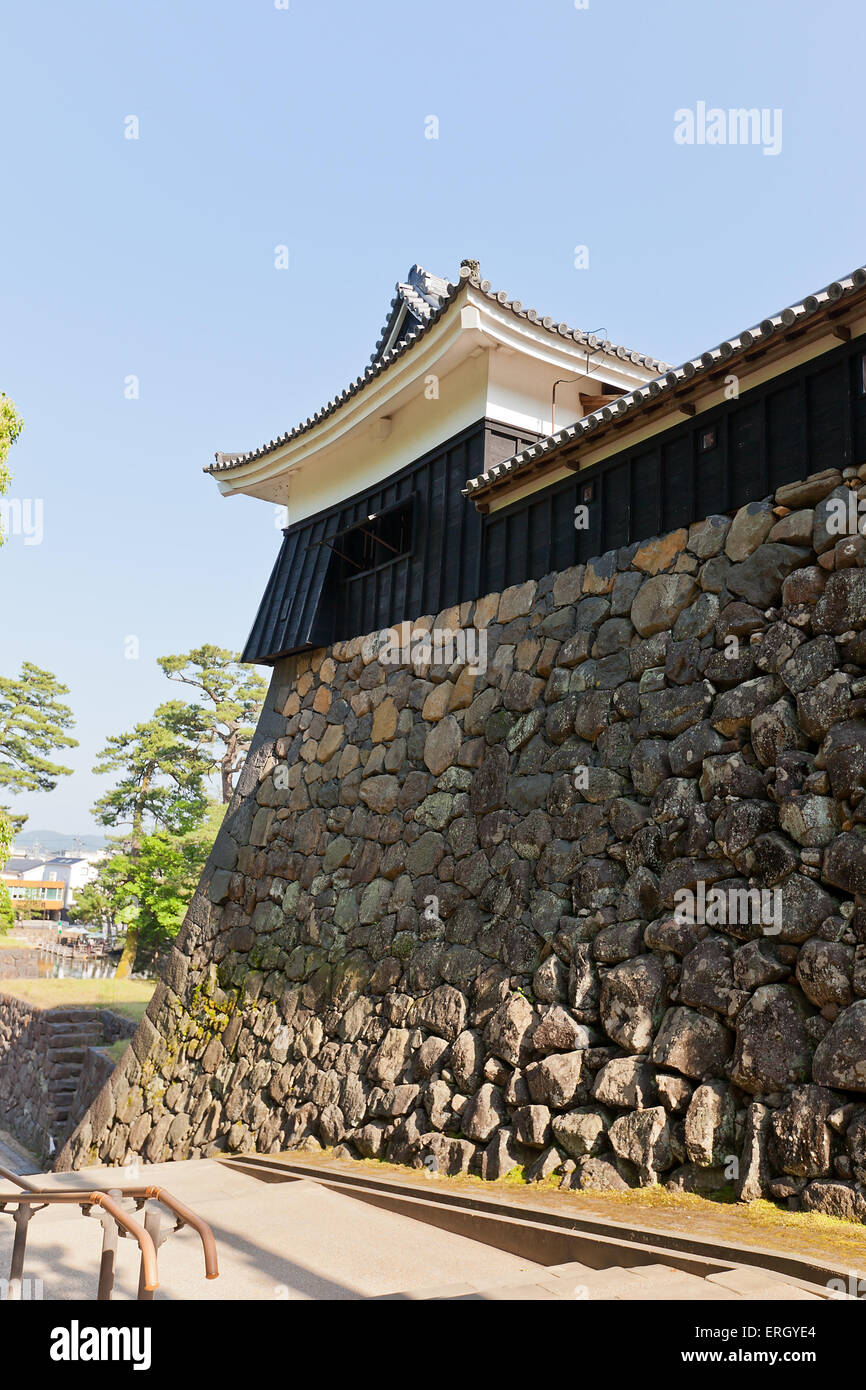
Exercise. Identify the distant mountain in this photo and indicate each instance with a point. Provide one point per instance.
(55, 842)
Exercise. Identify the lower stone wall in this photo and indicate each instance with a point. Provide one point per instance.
(95, 1073)
(17, 964)
(51, 1069)
(596, 909)
(24, 1104)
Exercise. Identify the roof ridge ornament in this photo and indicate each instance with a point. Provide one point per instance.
(426, 298)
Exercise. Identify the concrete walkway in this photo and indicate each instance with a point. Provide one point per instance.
(276, 1241)
(297, 1239)
(14, 1157)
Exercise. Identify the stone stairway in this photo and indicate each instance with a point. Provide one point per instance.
(650, 1282)
(71, 1033)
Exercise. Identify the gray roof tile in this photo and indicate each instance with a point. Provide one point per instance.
(428, 297)
(776, 324)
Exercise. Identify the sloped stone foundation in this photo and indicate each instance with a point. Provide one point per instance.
(598, 909)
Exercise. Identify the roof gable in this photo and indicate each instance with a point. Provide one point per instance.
(419, 303)
(415, 301)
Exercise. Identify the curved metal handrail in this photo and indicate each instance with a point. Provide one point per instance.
(189, 1218)
(28, 1196)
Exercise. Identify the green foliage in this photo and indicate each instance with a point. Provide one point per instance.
(160, 800)
(11, 426)
(233, 699)
(33, 723)
(147, 891)
(7, 914)
(93, 906)
(163, 771)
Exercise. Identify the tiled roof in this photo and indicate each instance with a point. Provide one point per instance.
(23, 866)
(422, 294)
(428, 297)
(794, 316)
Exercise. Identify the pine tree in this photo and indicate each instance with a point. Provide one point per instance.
(10, 428)
(33, 723)
(163, 770)
(233, 700)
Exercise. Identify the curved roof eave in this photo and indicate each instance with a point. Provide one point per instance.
(689, 371)
(226, 462)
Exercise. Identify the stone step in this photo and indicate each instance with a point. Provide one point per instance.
(760, 1283)
(72, 1018)
(575, 1282)
(62, 1039)
(651, 1282)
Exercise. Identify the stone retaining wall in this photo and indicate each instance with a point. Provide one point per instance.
(439, 923)
(50, 1068)
(96, 1069)
(18, 963)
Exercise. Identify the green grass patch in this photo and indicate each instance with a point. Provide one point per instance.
(16, 943)
(117, 1049)
(718, 1216)
(127, 997)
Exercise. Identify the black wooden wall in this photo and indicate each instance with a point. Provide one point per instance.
(810, 418)
(314, 597)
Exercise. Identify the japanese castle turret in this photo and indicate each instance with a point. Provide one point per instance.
(484, 445)
(461, 379)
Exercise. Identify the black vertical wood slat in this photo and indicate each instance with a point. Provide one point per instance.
(517, 532)
(433, 577)
(764, 448)
(858, 408)
(744, 452)
(539, 550)
(548, 522)
(258, 639)
(425, 538)
(616, 512)
(676, 468)
(847, 420)
(826, 403)
(806, 432)
(785, 437)
(809, 417)
(661, 492)
(386, 580)
(444, 518)
(455, 569)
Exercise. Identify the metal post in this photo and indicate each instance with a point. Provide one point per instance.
(21, 1218)
(108, 1258)
(152, 1218)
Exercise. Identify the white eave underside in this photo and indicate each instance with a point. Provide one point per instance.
(480, 325)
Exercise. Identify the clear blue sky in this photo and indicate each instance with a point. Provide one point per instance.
(261, 126)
